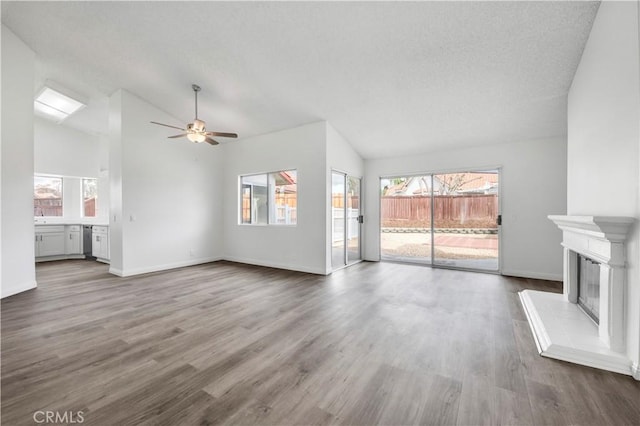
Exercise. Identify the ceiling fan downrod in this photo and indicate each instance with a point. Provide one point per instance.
(196, 89)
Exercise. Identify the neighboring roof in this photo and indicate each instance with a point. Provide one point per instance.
(476, 181)
(45, 193)
(446, 183)
(419, 185)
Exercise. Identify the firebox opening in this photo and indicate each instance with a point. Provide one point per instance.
(589, 287)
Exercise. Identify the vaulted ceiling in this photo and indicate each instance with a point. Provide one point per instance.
(394, 78)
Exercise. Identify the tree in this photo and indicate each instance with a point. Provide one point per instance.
(450, 183)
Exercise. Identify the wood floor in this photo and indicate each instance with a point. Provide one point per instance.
(223, 343)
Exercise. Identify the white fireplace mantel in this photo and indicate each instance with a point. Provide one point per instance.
(561, 329)
(598, 237)
(611, 228)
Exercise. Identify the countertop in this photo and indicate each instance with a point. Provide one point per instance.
(48, 221)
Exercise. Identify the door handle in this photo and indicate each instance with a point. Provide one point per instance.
(360, 219)
(499, 220)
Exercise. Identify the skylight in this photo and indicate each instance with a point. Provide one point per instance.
(54, 105)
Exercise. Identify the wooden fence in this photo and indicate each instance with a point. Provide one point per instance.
(448, 209)
(47, 207)
(353, 201)
(53, 207)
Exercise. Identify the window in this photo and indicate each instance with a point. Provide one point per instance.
(254, 199)
(47, 196)
(89, 197)
(269, 198)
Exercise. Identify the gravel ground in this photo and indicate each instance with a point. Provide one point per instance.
(418, 245)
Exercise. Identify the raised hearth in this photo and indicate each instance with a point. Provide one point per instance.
(561, 328)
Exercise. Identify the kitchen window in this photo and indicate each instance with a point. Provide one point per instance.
(47, 196)
(269, 198)
(89, 197)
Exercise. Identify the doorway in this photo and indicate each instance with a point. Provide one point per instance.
(346, 220)
(446, 219)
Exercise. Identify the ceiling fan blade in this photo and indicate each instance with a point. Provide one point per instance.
(178, 136)
(166, 125)
(224, 135)
(211, 141)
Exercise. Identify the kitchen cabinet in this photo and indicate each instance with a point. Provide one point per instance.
(49, 241)
(57, 242)
(73, 240)
(100, 243)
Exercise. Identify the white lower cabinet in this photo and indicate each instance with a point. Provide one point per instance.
(100, 242)
(73, 239)
(49, 241)
(55, 242)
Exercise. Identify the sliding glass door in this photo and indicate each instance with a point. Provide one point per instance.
(405, 214)
(338, 243)
(346, 219)
(466, 216)
(353, 219)
(447, 219)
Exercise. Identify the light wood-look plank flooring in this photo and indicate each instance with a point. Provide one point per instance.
(224, 343)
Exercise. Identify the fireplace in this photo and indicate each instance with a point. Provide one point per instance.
(586, 324)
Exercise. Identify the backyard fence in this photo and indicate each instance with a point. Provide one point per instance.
(47, 207)
(340, 220)
(447, 209)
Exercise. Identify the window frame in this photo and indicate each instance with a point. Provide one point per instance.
(270, 199)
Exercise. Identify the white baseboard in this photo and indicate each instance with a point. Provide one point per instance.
(59, 257)
(114, 271)
(310, 270)
(164, 267)
(635, 371)
(508, 272)
(533, 275)
(15, 289)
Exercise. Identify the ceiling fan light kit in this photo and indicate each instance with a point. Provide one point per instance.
(196, 131)
(196, 137)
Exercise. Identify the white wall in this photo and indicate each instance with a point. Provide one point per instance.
(17, 231)
(165, 207)
(340, 157)
(533, 185)
(301, 247)
(116, 247)
(63, 151)
(604, 137)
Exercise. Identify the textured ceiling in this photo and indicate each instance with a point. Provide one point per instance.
(393, 78)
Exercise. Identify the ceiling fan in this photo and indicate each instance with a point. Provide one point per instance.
(196, 132)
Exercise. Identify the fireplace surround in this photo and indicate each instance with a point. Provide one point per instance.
(561, 329)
